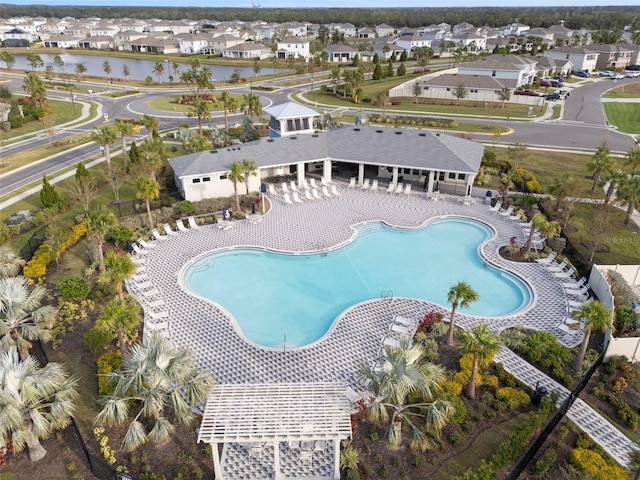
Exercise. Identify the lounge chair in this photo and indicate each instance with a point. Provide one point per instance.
(324, 181)
(325, 191)
(156, 303)
(496, 207)
(157, 326)
(516, 217)
(374, 185)
(352, 182)
(159, 315)
(307, 195)
(144, 285)
(140, 277)
(528, 224)
(547, 260)
(154, 292)
(365, 185)
(156, 234)
(575, 285)
(407, 189)
(296, 198)
(401, 329)
(305, 184)
(399, 188)
(138, 250)
(168, 230)
(146, 245)
(507, 212)
(582, 292)
(391, 342)
(407, 322)
(272, 189)
(192, 222)
(316, 195)
(285, 188)
(566, 274)
(294, 446)
(391, 188)
(575, 304)
(561, 267)
(287, 199)
(294, 187)
(181, 226)
(313, 183)
(334, 191)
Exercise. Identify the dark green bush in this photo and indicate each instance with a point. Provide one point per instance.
(186, 207)
(74, 288)
(418, 461)
(120, 234)
(545, 462)
(625, 321)
(97, 339)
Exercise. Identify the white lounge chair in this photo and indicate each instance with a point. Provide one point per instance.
(516, 217)
(575, 304)
(138, 250)
(192, 222)
(507, 212)
(312, 181)
(272, 189)
(496, 207)
(147, 245)
(159, 315)
(296, 197)
(582, 292)
(181, 226)
(154, 292)
(324, 181)
(391, 188)
(561, 267)
(294, 187)
(528, 224)
(156, 234)
(144, 285)
(407, 322)
(391, 342)
(307, 195)
(374, 185)
(399, 188)
(365, 185)
(305, 184)
(401, 329)
(325, 191)
(566, 274)
(156, 303)
(352, 182)
(285, 188)
(575, 285)
(140, 277)
(547, 260)
(157, 326)
(168, 230)
(334, 191)
(407, 189)
(316, 195)
(287, 199)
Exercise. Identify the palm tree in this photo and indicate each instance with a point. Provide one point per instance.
(562, 187)
(10, 263)
(251, 105)
(594, 316)
(23, 318)
(147, 189)
(119, 269)
(629, 193)
(507, 180)
(99, 221)
(546, 228)
(326, 121)
(504, 94)
(202, 111)
(158, 69)
(483, 344)
(155, 378)
(105, 136)
(150, 123)
(236, 176)
(249, 168)
(633, 160)
(34, 401)
(461, 294)
(121, 316)
(403, 373)
(229, 104)
(125, 129)
(601, 161)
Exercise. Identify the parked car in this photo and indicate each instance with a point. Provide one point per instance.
(616, 76)
(606, 73)
(582, 74)
(545, 83)
(556, 83)
(635, 68)
(552, 96)
(633, 74)
(529, 93)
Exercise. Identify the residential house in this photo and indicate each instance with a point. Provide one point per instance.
(580, 57)
(635, 53)
(131, 25)
(341, 53)
(546, 36)
(384, 30)
(191, 43)
(293, 47)
(169, 26)
(62, 41)
(515, 29)
(479, 87)
(411, 42)
(98, 42)
(78, 29)
(366, 33)
(18, 36)
(346, 29)
(296, 29)
(503, 67)
(473, 42)
(127, 36)
(461, 27)
(616, 55)
(152, 45)
(248, 51)
(221, 42)
(548, 67)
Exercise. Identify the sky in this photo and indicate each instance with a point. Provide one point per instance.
(330, 3)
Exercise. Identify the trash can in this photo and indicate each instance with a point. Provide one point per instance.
(487, 197)
(538, 394)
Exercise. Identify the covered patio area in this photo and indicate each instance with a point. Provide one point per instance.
(277, 430)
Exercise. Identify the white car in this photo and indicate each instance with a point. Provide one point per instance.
(632, 75)
(616, 76)
(606, 73)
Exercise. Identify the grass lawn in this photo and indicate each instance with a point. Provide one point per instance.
(170, 104)
(631, 90)
(62, 113)
(625, 116)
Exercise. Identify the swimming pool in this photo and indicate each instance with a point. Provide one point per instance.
(292, 300)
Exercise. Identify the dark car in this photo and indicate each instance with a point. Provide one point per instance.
(633, 67)
(556, 83)
(552, 96)
(582, 74)
(545, 83)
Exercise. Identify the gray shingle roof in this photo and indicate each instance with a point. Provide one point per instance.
(471, 81)
(371, 145)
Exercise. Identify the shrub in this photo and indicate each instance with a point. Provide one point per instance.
(514, 397)
(120, 234)
(97, 339)
(429, 320)
(107, 363)
(625, 320)
(452, 387)
(545, 462)
(595, 466)
(186, 207)
(74, 288)
(455, 437)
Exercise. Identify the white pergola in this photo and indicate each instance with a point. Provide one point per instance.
(276, 412)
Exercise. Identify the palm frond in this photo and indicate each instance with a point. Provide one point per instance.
(135, 436)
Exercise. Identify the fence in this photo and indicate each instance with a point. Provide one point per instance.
(29, 248)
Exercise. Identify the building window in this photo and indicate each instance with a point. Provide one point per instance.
(407, 171)
(195, 180)
(224, 176)
(452, 176)
(461, 176)
(448, 89)
(441, 176)
(206, 179)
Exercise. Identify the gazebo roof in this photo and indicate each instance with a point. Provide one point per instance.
(290, 110)
(276, 412)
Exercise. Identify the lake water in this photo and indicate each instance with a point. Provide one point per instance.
(138, 69)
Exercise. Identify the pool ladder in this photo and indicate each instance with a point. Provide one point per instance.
(387, 294)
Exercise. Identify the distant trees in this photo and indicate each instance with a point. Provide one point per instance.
(8, 59)
(35, 61)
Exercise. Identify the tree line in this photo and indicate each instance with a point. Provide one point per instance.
(601, 17)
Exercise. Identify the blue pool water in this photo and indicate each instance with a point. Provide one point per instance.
(275, 296)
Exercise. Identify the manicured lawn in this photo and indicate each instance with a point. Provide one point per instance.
(27, 157)
(62, 113)
(170, 104)
(631, 90)
(625, 116)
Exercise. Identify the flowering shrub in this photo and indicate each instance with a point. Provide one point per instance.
(514, 397)
(595, 466)
(37, 266)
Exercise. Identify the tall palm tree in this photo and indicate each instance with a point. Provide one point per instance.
(236, 176)
(10, 263)
(251, 105)
(34, 401)
(105, 136)
(147, 189)
(150, 157)
(202, 111)
(125, 129)
(158, 69)
(562, 187)
(155, 378)
(546, 228)
(121, 317)
(483, 344)
(461, 294)
(99, 221)
(249, 168)
(594, 315)
(229, 104)
(402, 373)
(601, 162)
(119, 269)
(22, 316)
(629, 194)
(150, 123)
(633, 160)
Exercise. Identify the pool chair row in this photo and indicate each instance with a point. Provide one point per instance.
(373, 186)
(310, 195)
(401, 328)
(292, 186)
(143, 247)
(506, 213)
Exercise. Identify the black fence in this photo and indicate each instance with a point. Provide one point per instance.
(32, 245)
(553, 422)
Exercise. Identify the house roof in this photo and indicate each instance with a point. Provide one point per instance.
(498, 62)
(340, 48)
(290, 110)
(405, 148)
(471, 81)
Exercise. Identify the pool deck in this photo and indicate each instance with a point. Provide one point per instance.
(357, 334)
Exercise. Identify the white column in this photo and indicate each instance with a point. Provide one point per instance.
(360, 174)
(394, 179)
(300, 174)
(326, 171)
(432, 175)
(336, 459)
(217, 469)
(276, 460)
(470, 179)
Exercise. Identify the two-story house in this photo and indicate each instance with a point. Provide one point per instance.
(616, 55)
(580, 57)
(293, 47)
(193, 42)
(384, 30)
(508, 67)
(411, 42)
